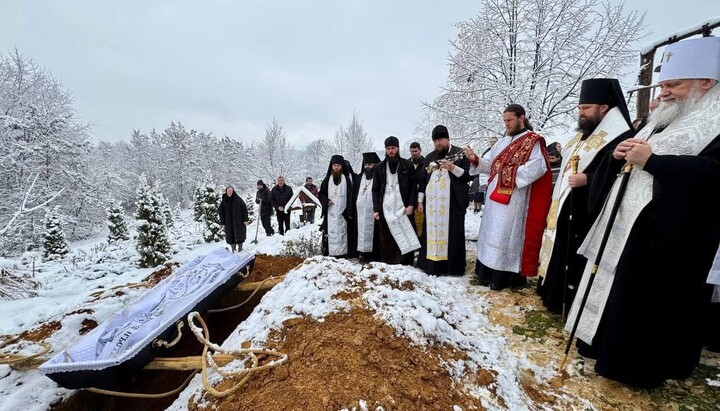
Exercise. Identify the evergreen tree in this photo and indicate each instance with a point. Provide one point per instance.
(197, 205)
(153, 244)
(54, 244)
(210, 203)
(164, 206)
(116, 222)
(250, 204)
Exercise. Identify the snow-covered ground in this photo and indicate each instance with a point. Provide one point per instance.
(71, 286)
(436, 311)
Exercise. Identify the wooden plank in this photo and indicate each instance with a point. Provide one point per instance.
(268, 284)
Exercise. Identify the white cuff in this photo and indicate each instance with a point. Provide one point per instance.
(458, 171)
(421, 197)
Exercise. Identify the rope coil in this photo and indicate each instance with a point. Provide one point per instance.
(203, 335)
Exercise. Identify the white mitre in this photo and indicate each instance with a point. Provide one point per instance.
(697, 58)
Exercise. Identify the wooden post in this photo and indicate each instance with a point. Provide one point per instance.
(647, 62)
(645, 77)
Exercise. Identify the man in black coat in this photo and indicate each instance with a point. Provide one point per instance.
(279, 197)
(233, 216)
(263, 199)
(418, 161)
(394, 189)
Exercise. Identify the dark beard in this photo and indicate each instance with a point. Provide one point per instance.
(368, 172)
(393, 159)
(442, 152)
(587, 125)
(336, 176)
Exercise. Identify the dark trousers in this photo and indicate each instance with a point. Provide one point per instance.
(283, 219)
(497, 280)
(310, 215)
(266, 224)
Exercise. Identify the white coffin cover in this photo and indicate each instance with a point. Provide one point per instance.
(122, 337)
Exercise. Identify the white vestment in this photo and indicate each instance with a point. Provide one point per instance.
(337, 226)
(393, 211)
(502, 229)
(365, 219)
(611, 126)
(437, 215)
(714, 277)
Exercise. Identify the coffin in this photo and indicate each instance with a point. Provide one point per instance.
(110, 355)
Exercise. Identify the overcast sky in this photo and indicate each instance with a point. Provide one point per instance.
(229, 67)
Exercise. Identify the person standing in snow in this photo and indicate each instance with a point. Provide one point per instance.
(647, 306)
(308, 204)
(366, 226)
(234, 218)
(443, 198)
(604, 121)
(394, 193)
(279, 197)
(337, 210)
(520, 187)
(418, 161)
(266, 209)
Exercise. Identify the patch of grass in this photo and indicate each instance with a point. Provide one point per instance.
(692, 394)
(537, 323)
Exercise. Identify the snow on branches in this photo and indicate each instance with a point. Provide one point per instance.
(55, 245)
(152, 241)
(534, 53)
(116, 222)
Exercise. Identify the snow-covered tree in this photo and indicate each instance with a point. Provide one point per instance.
(152, 240)
(42, 145)
(55, 245)
(352, 141)
(210, 204)
(275, 156)
(197, 204)
(535, 53)
(250, 205)
(316, 158)
(116, 222)
(164, 205)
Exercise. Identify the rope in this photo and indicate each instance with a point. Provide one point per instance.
(143, 395)
(162, 343)
(247, 353)
(222, 310)
(12, 358)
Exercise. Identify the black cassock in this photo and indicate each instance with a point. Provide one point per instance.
(657, 311)
(374, 255)
(459, 202)
(405, 170)
(586, 206)
(347, 214)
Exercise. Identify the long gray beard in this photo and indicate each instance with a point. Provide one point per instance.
(669, 111)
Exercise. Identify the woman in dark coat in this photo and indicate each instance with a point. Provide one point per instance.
(234, 217)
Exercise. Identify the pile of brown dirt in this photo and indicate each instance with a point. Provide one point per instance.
(160, 274)
(267, 266)
(348, 357)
